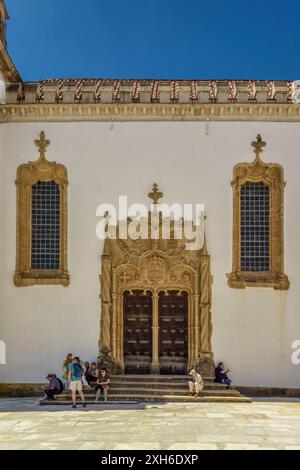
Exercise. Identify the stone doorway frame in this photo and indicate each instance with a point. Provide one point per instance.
(190, 274)
(155, 265)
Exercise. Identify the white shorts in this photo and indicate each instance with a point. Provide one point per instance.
(76, 385)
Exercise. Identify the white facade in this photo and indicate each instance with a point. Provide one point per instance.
(2, 90)
(253, 329)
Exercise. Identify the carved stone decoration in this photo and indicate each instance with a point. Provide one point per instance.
(155, 269)
(105, 301)
(272, 175)
(149, 112)
(28, 175)
(130, 266)
(213, 92)
(105, 361)
(252, 92)
(232, 91)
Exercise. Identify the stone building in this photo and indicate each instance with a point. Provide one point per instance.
(149, 306)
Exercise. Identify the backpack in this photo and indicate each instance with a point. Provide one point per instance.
(77, 371)
(61, 385)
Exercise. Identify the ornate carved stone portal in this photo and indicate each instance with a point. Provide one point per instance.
(156, 285)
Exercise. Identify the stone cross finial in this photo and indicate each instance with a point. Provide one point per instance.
(155, 195)
(258, 145)
(42, 144)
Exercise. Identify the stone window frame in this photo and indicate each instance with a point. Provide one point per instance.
(27, 175)
(271, 174)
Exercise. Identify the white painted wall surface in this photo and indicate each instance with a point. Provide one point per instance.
(253, 328)
(2, 89)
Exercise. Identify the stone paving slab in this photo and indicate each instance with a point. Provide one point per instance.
(264, 424)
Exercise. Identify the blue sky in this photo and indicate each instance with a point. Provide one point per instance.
(155, 39)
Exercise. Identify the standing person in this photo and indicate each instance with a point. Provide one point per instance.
(196, 385)
(103, 383)
(221, 375)
(54, 387)
(65, 370)
(75, 378)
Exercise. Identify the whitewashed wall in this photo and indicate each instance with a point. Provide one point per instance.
(2, 89)
(253, 328)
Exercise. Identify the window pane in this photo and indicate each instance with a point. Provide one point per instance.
(45, 226)
(255, 227)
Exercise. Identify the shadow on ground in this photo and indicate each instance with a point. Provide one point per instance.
(33, 404)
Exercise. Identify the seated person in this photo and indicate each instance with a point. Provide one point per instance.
(103, 383)
(221, 375)
(92, 375)
(86, 368)
(86, 372)
(196, 385)
(55, 387)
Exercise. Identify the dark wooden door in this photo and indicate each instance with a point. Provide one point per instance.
(137, 332)
(173, 332)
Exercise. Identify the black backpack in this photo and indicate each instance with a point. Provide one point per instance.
(61, 385)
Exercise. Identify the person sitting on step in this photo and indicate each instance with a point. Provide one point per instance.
(86, 371)
(92, 375)
(196, 385)
(55, 387)
(221, 375)
(103, 383)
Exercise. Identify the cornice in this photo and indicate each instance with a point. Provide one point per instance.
(276, 112)
(7, 66)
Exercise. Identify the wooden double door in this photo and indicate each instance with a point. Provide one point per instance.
(155, 332)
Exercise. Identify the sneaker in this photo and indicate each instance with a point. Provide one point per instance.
(74, 406)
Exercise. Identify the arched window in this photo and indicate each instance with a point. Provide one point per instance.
(41, 222)
(258, 251)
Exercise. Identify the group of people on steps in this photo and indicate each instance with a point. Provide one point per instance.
(77, 375)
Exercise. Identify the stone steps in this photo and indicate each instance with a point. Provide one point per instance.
(157, 388)
(150, 391)
(157, 398)
(163, 385)
(156, 378)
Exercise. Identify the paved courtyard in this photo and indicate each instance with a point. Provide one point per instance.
(260, 425)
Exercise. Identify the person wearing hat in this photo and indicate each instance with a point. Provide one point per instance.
(196, 385)
(54, 387)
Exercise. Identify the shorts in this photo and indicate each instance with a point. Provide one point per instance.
(76, 385)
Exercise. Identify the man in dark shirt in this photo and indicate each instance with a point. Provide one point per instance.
(54, 387)
(221, 375)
